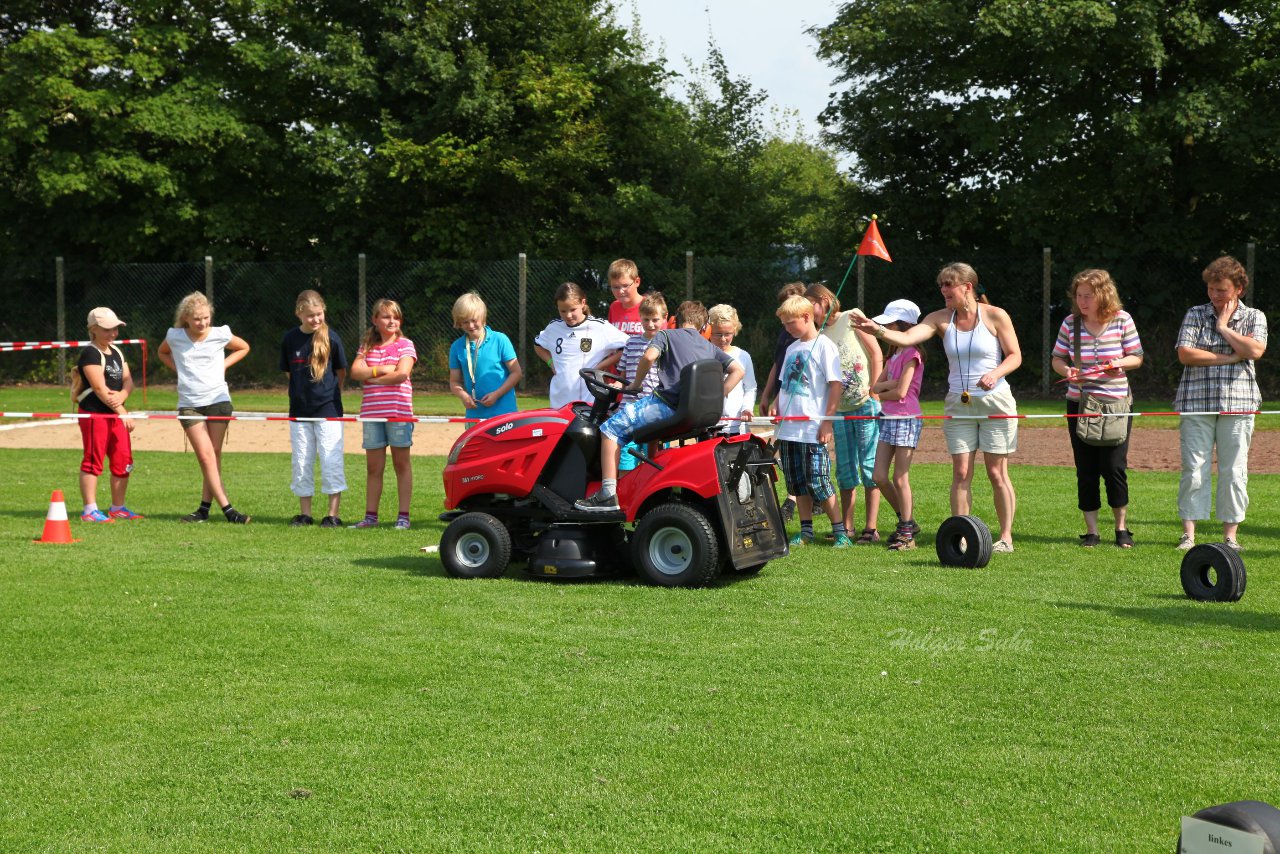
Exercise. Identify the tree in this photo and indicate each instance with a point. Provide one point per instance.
(159, 130)
(1116, 126)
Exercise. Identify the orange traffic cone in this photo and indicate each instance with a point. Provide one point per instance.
(56, 527)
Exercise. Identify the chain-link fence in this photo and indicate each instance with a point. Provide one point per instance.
(256, 300)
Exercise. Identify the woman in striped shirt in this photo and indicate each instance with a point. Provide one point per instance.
(1109, 348)
(384, 362)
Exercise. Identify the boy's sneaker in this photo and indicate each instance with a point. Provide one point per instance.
(330, 522)
(1233, 543)
(843, 542)
(1002, 547)
(124, 513)
(301, 521)
(366, 522)
(235, 517)
(95, 516)
(1187, 543)
(598, 503)
(402, 523)
(800, 540)
(196, 516)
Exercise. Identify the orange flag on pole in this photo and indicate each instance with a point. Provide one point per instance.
(872, 244)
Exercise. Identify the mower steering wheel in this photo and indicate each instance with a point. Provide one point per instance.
(598, 385)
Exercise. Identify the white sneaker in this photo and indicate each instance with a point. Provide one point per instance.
(1002, 546)
(1232, 543)
(1187, 543)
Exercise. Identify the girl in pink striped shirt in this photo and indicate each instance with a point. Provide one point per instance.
(384, 362)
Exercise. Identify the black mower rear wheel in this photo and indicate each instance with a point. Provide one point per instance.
(675, 545)
(964, 541)
(475, 545)
(1213, 572)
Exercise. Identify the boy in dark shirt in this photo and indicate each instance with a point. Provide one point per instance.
(670, 350)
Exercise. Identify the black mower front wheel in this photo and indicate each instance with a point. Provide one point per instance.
(674, 545)
(475, 545)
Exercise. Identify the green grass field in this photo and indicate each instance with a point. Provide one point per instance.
(169, 687)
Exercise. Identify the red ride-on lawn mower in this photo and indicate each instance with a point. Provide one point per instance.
(698, 507)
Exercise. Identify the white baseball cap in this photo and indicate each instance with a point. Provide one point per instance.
(900, 309)
(104, 318)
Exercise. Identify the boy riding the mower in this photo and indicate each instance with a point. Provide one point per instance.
(670, 350)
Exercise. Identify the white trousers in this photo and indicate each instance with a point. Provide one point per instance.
(311, 439)
(1232, 434)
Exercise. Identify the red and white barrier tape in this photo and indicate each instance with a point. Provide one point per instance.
(10, 346)
(445, 419)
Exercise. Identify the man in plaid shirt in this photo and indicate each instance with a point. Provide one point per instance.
(1218, 344)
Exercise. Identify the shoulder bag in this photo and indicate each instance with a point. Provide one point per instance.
(1103, 421)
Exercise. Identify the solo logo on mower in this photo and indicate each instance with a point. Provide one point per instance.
(504, 428)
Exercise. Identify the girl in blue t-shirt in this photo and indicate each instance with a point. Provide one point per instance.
(483, 368)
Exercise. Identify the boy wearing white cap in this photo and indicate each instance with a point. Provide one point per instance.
(100, 385)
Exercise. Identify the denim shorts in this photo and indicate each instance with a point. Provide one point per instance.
(379, 434)
(632, 416)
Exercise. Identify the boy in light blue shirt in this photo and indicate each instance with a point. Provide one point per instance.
(483, 368)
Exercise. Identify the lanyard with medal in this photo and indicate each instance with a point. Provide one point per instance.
(471, 364)
(965, 398)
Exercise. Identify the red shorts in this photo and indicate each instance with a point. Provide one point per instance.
(105, 437)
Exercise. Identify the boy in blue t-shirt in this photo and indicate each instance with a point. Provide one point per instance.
(483, 368)
(668, 352)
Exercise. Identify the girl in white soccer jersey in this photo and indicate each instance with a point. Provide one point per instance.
(576, 341)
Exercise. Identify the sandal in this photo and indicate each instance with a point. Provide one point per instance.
(905, 530)
(1088, 541)
(904, 543)
(1124, 539)
(867, 537)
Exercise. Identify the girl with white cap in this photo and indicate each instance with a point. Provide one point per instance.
(899, 390)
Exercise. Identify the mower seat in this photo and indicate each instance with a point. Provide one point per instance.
(701, 404)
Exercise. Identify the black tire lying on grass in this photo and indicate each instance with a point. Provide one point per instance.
(1213, 572)
(963, 541)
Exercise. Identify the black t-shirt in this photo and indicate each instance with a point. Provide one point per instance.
(309, 399)
(112, 373)
(785, 340)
